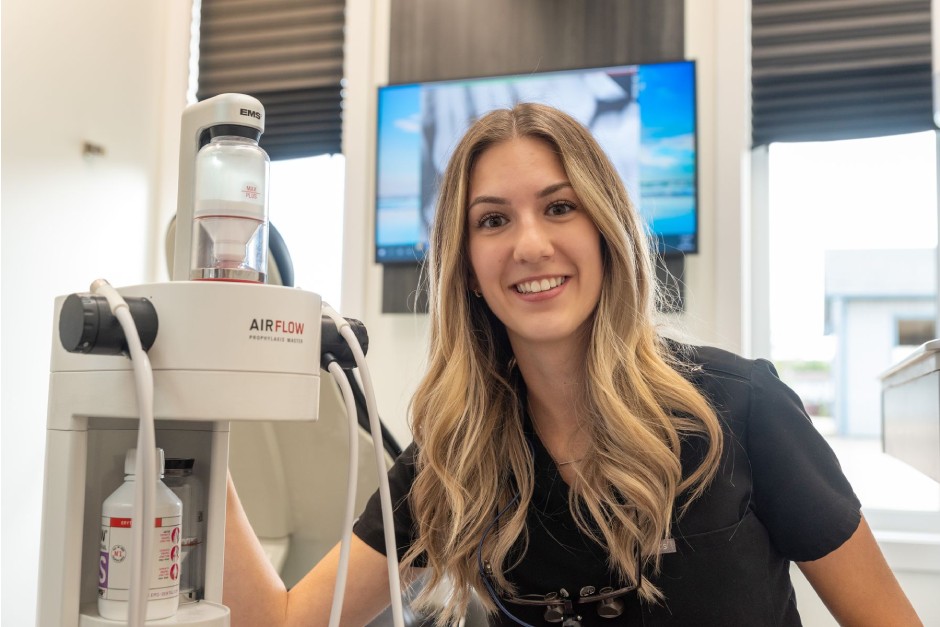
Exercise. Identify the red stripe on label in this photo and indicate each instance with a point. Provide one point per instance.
(157, 522)
(167, 521)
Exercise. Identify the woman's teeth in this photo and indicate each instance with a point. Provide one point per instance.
(533, 287)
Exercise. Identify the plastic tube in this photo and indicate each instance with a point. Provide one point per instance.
(391, 550)
(352, 475)
(145, 469)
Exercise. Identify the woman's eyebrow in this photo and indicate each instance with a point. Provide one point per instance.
(551, 189)
(497, 200)
(492, 200)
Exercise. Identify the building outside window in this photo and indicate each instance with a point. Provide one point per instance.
(853, 289)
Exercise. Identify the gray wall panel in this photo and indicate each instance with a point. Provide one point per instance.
(435, 39)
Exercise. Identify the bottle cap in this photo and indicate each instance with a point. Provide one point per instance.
(130, 462)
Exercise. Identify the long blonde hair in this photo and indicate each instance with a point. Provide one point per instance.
(467, 415)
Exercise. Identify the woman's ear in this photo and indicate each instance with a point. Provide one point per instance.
(472, 282)
(474, 285)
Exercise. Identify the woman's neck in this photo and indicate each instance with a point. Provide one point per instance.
(554, 380)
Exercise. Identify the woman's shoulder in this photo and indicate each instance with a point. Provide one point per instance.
(711, 360)
(736, 386)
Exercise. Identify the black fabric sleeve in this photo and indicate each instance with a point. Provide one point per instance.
(800, 493)
(369, 527)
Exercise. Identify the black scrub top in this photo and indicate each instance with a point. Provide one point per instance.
(779, 495)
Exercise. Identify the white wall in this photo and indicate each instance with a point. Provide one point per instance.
(397, 342)
(717, 37)
(72, 72)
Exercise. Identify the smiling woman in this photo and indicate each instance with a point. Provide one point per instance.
(568, 461)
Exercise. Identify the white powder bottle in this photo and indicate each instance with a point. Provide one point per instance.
(115, 563)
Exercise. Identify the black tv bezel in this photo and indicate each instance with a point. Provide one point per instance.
(658, 247)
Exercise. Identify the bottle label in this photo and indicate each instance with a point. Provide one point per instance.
(114, 574)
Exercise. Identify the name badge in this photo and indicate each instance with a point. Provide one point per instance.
(667, 546)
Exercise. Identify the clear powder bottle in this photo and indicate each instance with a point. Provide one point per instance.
(179, 477)
(230, 215)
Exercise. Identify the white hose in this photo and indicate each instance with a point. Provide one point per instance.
(391, 551)
(146, 462)
(352, 475)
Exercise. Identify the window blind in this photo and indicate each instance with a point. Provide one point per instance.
(839, 69)
(289, 55)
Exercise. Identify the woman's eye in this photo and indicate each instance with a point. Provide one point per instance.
(560, 208)
(491, 221)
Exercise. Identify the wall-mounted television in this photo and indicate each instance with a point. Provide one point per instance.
(642, 115)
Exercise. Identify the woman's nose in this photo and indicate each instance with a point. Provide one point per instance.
(533, 243)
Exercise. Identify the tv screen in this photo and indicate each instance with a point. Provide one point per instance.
(643, 116)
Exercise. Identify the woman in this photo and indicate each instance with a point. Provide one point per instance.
(569, 463)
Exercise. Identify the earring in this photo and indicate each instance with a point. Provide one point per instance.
(478, 293)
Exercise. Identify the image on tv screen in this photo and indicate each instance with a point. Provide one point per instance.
(643, 116)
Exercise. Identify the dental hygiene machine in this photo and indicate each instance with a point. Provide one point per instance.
(145, 381)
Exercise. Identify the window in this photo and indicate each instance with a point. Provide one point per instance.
(913, 333)
(306, 206)
(853, 259)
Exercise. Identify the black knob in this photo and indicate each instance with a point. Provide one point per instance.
(333, 346)
(86, 325)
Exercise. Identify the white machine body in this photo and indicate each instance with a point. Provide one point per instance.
(223, 352)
